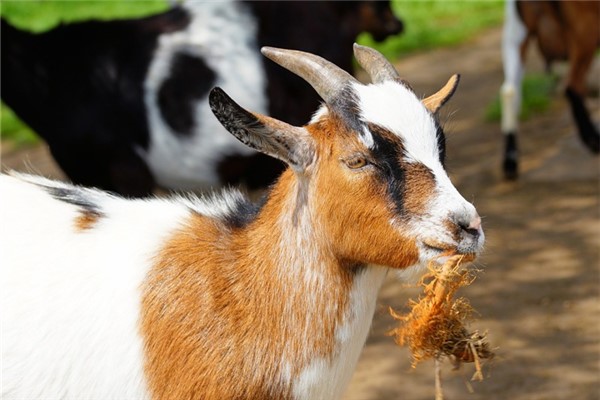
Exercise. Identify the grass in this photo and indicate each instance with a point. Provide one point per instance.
(428, 25)
(437, 23)
(14, 129)
(42, 15)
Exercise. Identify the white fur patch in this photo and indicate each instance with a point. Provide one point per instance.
(321, 113)
(213, 205)
(396, 108)
(366, 137)
(71, 298)
(221, 33)
(324, 379)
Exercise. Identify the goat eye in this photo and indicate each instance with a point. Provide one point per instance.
(356, 162)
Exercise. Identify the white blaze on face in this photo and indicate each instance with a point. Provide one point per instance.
(396, 108)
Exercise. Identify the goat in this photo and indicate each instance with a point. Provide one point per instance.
(123, 104)
(563, 30)
(219, 298)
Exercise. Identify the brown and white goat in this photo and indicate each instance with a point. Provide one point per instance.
(564, 30)
(219, 298)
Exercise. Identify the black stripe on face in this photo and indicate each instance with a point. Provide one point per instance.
(387, 154)
(409, 185)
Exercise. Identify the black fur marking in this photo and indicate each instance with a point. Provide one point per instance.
(346, 106)
(510, 165)
(81, 87)
(357, 269)
(189, 81)
(388, 155)
(76, 196)
(244, 213)
(441, 141)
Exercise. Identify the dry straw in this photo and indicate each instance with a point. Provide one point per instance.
(435, 325)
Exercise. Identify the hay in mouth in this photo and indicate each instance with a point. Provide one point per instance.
(435, 325)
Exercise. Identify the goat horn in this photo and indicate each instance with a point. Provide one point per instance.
(376, 65)
(434, 102)
(325, 77)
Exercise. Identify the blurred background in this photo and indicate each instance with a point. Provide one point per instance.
(538, 295)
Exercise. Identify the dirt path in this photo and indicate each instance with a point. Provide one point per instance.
(539, 295)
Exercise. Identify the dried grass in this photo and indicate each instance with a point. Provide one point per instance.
(435, 325)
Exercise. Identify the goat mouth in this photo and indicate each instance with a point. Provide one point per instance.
(444, 250)
(439, 247)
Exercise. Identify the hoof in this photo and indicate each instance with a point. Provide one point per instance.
(511, 157)
(511, 169)
(587, 131)
(591, 140)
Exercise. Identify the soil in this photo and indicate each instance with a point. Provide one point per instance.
(538, 293)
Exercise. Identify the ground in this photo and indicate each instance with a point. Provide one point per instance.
(538, 294)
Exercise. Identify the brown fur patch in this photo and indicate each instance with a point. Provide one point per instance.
(370, 237)
(86, 220)
(421, 182)
(453, 229)
(220, 319)
(240, 314)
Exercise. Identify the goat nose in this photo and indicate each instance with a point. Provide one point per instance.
(475, 223)
(473, 226)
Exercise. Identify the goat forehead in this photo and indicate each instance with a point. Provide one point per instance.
(396, 108)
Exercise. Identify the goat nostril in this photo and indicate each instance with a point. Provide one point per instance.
(472, 227)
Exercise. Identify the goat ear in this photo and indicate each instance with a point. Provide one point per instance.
(434, 102)
(290, 144)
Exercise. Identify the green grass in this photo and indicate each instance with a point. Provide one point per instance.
(41, 15)
(537, 92)
(14, 129)
(437, 23)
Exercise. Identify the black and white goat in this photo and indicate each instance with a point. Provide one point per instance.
(186, 298)
(564, 30)
(123, 104)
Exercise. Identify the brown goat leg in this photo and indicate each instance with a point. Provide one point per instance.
(583, 38)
